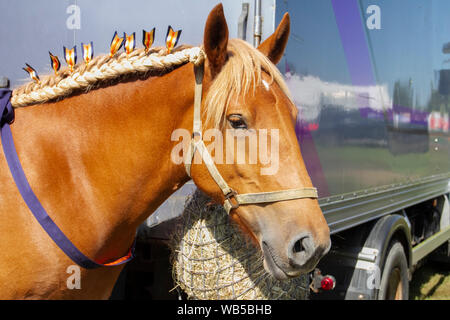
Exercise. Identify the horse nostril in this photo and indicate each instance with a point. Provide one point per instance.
(298, 246)
(301, 250)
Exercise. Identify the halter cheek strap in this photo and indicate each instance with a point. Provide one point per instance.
(232, 199)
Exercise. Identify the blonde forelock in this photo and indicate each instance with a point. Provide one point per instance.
(240, 75)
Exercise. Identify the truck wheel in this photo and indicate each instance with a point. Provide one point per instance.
(394, 279)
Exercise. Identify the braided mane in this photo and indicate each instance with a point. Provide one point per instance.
(241, 73)
(100, 70)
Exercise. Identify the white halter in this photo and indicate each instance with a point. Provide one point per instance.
(232, 199)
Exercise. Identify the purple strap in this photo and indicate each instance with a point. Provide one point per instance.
(30, 198)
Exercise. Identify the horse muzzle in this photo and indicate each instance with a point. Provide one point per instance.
(298, 257)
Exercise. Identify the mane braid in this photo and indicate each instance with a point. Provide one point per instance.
(104, 70)
(241, 73)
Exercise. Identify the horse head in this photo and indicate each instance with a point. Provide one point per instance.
(247, 102)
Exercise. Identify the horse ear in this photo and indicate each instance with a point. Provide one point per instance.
(215, 40)
(273, 47)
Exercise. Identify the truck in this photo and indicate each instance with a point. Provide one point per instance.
(371, 81)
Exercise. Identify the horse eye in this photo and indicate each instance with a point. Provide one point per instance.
(237, 121)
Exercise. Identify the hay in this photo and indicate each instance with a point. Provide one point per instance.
(212, 259)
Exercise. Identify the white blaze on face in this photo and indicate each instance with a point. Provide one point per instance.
(266, 85)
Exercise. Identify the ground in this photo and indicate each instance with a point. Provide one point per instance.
(431, 282)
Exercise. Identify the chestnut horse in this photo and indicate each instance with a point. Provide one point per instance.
(99, 162)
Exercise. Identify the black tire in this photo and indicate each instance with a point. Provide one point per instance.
(394, 283)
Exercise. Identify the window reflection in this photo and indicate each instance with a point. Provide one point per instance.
(370, 99)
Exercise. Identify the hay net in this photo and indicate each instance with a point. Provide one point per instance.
(213, 259)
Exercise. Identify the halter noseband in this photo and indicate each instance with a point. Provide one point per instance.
(232, 199)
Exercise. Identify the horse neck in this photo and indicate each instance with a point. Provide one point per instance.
(109, 152)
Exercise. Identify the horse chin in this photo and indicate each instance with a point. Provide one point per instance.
(271, 266)
(279, 273)
(274, 270)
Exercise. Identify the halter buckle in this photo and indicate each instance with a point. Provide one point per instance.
(232, 195)
(197, 136)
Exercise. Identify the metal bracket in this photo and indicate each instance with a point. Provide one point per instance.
(257, 25)
(4, 82)
(242, 22)
(365, 258)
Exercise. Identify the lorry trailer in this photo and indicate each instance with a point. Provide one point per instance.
(371, 81)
